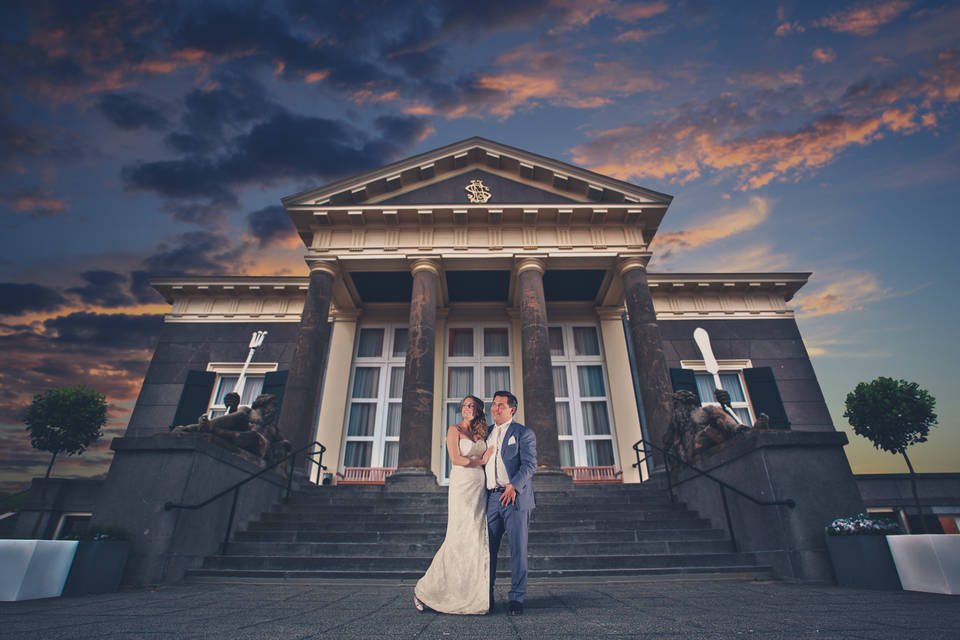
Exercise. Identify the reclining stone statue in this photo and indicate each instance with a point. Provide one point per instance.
(694, 429)
(252, 428)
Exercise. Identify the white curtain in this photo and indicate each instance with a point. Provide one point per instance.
(585, 342)
(560, 382)
(595, 421)
(366, 380)
(362, 416)
(599, 453)
(591, 381)
(495, 342)
(459, 382)
(370, 343)
(358, 454)
(461, 342)
(556, 341)
(495, 379)
(399, 343)
(396, 382)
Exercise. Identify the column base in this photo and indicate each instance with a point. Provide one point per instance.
(552, 480)
(412, 479)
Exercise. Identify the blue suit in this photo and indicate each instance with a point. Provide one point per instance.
(519, 452)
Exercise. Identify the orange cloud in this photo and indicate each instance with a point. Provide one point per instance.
(639, 35)
(39, 203)
(580, 13)
(772, 79)
(865, 19)
(848, 293)
(723, 136)
(824, 55)
(787, 28)
(717, 227)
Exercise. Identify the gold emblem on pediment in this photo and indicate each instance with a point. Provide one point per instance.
(477, 192)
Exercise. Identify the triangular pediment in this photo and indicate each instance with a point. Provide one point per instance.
(515, 176)
(476, 186)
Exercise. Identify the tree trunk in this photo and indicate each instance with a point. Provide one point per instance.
(43, 497)
(916, 496)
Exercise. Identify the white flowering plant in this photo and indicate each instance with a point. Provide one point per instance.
(862, 524)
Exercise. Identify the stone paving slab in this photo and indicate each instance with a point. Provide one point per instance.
(673, 610)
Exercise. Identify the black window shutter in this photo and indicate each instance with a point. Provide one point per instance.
(274, 383)
(684, 380)
(195, 398)
(765, 396)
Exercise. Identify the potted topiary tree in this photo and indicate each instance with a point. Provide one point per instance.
(860, 554)
(99, 562)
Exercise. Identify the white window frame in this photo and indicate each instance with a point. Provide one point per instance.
(477, 361)
(255, 370)
(725, 366)
(386, 362)
(569, 361)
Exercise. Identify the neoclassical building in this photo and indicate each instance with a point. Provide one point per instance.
(465, 270)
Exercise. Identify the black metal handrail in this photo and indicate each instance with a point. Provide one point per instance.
(236, 486)
(667, 455)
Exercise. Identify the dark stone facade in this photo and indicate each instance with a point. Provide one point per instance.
(770, 343)
(183, 347)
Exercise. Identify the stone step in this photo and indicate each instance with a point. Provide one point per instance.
(439, 524)
(435, 536)
(745, 572)
(389, 549)
(421, 562)
(601, 511)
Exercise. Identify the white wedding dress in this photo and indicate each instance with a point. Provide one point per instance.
(458, 580)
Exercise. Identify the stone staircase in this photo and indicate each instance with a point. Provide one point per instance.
(367, 533)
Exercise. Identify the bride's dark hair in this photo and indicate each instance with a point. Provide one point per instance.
(478, 426)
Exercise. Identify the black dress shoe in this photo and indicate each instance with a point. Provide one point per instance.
(515, 608)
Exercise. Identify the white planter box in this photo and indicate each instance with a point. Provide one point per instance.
(927, 562)
(34, 568)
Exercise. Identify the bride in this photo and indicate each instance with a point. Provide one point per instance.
(458, 580)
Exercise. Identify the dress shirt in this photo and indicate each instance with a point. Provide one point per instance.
(495, 470)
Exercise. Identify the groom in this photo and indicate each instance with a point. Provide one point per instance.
(510, 494)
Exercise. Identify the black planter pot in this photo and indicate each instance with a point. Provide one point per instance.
(97, 567)
(863, 561)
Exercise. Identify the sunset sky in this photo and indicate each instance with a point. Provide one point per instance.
(141, 138)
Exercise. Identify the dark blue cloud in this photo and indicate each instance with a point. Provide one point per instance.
(104, 288)
(16, 298)
(195, 252)
(285, 147)
(118, 330)
(270, 225)
(133, 110)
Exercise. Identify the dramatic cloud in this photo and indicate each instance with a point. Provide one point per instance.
(35, 202)
(284, 147)
(716, 227)
(132, 110)
(271, 225)
(16, 299)
(118, 331)
(104, 288)
(847, 293)
(864, 19)
(725, 135)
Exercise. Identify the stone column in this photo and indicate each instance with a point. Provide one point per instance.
(540, 409)
(416, 414)
(301, 398)
(650, 364)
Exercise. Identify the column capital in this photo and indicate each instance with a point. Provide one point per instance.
(531, 262)
(610, 313)
(426, 264)
(633, 261)
(345, 315)
(330, 266)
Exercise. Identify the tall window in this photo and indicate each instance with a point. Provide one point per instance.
(477, 363)
(583, 405)
(376, 387)
(730, 379)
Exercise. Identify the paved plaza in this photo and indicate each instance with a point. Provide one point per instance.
(654, 610)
